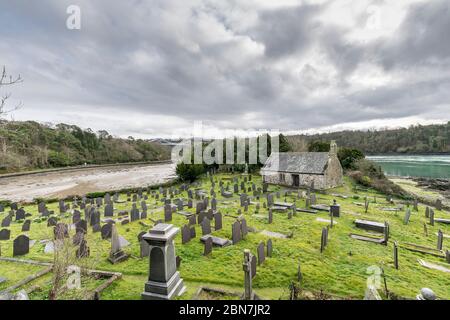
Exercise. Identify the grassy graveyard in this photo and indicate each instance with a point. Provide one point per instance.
(339, 272)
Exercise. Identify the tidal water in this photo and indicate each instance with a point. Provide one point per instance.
(429, 166)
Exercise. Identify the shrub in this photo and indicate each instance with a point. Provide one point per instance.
(349, 157)
(189, 172)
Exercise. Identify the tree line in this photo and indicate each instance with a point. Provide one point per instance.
(416, 139)
(31, 145)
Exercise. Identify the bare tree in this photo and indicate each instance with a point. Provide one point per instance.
(5, 81)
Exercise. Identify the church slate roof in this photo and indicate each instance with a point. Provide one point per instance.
(297, 162)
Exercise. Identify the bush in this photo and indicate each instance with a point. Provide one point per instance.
(189, 172)
(349, 157)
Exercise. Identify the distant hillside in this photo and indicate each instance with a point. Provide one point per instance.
(31, 145)
(415, 139)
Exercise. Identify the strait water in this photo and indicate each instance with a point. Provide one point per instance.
(430, 166)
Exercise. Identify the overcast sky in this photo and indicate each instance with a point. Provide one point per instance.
(152, 68)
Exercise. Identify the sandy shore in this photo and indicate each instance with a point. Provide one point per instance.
(79, 182)
(412, 187)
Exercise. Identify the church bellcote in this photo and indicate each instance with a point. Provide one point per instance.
(333, 148)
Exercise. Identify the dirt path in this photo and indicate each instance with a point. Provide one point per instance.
(79, 182)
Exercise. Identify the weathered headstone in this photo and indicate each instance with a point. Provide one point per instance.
(206, 226)
(244, 229)
(106, 231)
(167, 213)
(61, 231)
(26, 226)
(116, 254)
(81, 226)
(217, 221)
(6, 221)
(407, 216)
(395, 255)
(20, 214)
(208, 244)
(5, 234)
(261, 253)
(21, 245)
(253, 264)
(236, 232)
(109, 210)
(440, 240)
(185, 234)
(269, 248)
(144, 247)
(83, 250)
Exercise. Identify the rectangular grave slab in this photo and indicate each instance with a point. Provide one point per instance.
(220, 242)
(370, 225)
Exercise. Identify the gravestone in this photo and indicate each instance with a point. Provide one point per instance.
(76, 216)
(95, 218)
(206, 226)
(407, 216)
(324, 239)
(214, 204)
(26, 226)
(270, 217)
(106, 231)
(77, 238)
(134, 213)
(116, 254)
(335, 209)
(269, 248)
(244, 229)
(427, 212)
(440, 240)
(185, 234)
(431, 217)
(261, 253)
(5, 234)
(6, 222)
(192, 220)
(61, 231)
(62, 206)
(247, 267)
(218, 221)
(395, 255)
(52, 221)
(193, 233)
(21, 245)
(253, 264)
(81, 226)
(144, 248)
(20, 214)
(164, 282)
(208, 244)
(438, 204)
(14, 206)
(109, 210)
(236, 232)
(167, 212)
(83, 250)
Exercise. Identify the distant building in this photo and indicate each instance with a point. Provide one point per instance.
(296, 169)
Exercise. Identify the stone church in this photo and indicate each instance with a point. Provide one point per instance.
(297, 169)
